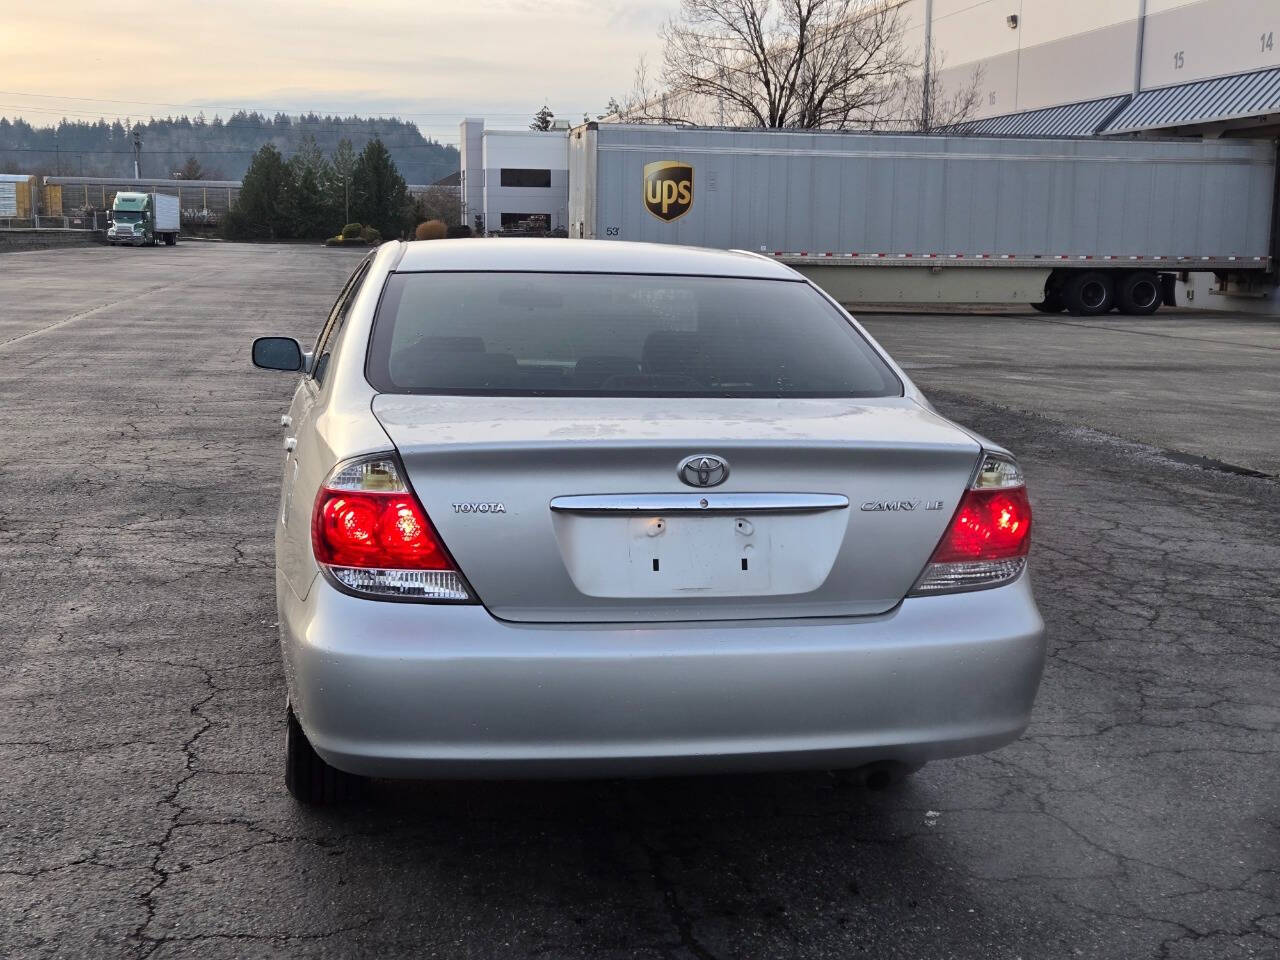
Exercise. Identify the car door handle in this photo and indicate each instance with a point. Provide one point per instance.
(289, 444)
(286, 421)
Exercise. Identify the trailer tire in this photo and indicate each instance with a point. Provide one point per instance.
(1089, 293)
(170, 239)
(1138, 293)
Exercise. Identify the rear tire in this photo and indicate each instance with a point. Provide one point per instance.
(310, 780)
(170, 239)
(1089, 293)
(1138, 293)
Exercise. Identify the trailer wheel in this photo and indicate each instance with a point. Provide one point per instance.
(1139, 293)
(1089, 293)
(170, 239)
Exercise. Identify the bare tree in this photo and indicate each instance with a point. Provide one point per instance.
(438, 203)
(928, 104)
(781, 63)
(651, 103)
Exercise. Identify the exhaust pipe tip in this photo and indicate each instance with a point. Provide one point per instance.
(882, 774)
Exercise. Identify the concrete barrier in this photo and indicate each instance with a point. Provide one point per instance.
(30, 239)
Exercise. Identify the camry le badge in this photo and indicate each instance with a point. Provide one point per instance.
(703, 470)
(904, 506)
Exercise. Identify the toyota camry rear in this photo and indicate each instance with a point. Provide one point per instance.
(565, 508)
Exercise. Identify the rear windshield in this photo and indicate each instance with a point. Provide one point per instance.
(553, 334)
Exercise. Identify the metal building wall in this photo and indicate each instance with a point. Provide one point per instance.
(1089, 49)
(471, 147)
(528, 149)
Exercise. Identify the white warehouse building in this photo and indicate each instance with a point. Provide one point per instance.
(514, 181)
(1116, 68)
(1109, 67)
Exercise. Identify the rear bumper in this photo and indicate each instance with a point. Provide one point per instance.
(409, 690)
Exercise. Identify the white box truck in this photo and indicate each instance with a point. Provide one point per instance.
(141, 219)
(1080, 224)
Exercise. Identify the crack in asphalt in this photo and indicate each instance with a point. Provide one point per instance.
(675, 909)
(148, 944)
(139, 724)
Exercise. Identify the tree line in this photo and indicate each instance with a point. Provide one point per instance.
(315, 195)
(222, 148)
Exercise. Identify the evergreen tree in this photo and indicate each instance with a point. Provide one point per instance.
(314, 211)
(313, 216)
(543, 119)
(191, 170)
(379, 197)
(267, 195)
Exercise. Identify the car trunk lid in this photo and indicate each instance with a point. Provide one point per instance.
(571, 509)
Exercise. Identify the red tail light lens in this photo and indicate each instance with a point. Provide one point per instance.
(370, 534)
(988, 525)
(987, 540)
(375, 530)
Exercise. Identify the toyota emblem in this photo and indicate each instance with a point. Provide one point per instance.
(703, 470)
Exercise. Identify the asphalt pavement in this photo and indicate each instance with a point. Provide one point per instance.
(141, 697)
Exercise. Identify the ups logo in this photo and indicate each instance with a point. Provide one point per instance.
(668, 189)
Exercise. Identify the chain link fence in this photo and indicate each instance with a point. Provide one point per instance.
(94, 220)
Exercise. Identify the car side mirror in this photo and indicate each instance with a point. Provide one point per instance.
(277, 353)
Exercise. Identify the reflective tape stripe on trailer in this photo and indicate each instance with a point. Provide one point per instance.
(1059, 257)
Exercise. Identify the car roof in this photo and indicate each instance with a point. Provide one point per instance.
(585, 256)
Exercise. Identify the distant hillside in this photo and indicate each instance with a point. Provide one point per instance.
(223, 148)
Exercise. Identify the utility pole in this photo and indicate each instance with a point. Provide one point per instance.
(137, 153)
(926, 120)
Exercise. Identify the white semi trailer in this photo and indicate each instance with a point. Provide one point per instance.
(1080, 224)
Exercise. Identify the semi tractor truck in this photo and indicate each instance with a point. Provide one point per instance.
(143, 219)
(1085, 225)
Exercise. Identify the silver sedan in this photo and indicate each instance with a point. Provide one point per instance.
(577, 508)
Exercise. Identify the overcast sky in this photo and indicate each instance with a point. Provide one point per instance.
(429, 62)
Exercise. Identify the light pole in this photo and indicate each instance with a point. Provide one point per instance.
(926, 93)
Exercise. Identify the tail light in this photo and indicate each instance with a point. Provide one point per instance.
(370, 534)
(986, 543)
